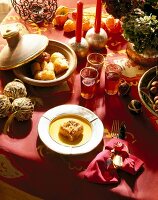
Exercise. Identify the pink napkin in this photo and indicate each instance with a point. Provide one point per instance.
(103, 169)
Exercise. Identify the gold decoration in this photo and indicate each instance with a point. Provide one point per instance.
(15, 89)
(23, 108)
(8, 123)
(5, 106)
(7, 170)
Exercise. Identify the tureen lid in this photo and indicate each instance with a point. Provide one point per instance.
(21, 49)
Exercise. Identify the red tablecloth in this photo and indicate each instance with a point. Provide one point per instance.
(26, 163)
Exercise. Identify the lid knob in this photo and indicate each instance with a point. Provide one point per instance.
(12, 37)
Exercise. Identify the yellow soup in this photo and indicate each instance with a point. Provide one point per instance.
(57, 122)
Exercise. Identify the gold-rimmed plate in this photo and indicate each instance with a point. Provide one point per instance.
(49, 124)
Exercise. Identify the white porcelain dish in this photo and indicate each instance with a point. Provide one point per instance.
(85, 115)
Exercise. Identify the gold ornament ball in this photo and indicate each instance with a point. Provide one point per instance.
(96, 40)
(135, 106)
(80, 48)
(23, 108)
(5, 106)
(15, 89)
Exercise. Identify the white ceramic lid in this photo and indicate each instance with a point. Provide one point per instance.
(21, 48)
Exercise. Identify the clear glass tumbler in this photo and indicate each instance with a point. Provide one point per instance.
(113, 74)
(96, 60)
(89, 77)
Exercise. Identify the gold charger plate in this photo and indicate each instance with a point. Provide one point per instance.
(49, 124)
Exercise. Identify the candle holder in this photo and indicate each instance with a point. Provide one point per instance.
(35, 10)
(80, 48)
(97, 36)
(96, 40)
(78, 43)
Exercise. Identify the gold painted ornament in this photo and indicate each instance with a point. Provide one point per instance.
(135, 106)
(15, 89)
(5, 106)
(124, 88)
(22, 108)
(8, 170)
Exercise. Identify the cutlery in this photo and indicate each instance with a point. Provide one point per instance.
(115, 129)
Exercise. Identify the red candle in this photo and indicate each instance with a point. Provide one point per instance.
(98, 16)
(79, 21)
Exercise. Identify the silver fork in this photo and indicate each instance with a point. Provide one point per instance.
(115, 129)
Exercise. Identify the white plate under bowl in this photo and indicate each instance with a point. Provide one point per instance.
(87, 115)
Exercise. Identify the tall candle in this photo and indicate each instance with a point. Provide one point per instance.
(79, 21)
(98, 16)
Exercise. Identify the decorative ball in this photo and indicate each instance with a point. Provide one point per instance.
(96, 40)
(15, 89)
(135, 106)
(23, 108)
(80, 48)
(5, 106)
(124, 88)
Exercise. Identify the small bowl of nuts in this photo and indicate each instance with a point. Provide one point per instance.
(148, 90)
(52, 67)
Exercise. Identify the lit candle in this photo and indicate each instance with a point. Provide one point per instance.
(98, 16)
(79, 21)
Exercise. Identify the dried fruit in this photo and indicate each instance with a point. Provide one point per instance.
(74, 14)
(86, 24)
(62, 10)
(44, 56)
(61, 15)
(113, 25)
(110, 22)
(69, 25)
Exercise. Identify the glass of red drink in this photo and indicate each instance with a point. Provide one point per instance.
(96, 60)
(113, 74)
(89, 77)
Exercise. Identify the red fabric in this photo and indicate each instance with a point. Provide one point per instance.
(102, 170)
(98, 170)
(131, 163)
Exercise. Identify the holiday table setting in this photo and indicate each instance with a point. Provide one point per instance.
(108, 160)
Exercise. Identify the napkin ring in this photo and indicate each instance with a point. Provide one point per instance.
(116, 157)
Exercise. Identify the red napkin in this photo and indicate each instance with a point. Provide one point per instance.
(103, 169)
